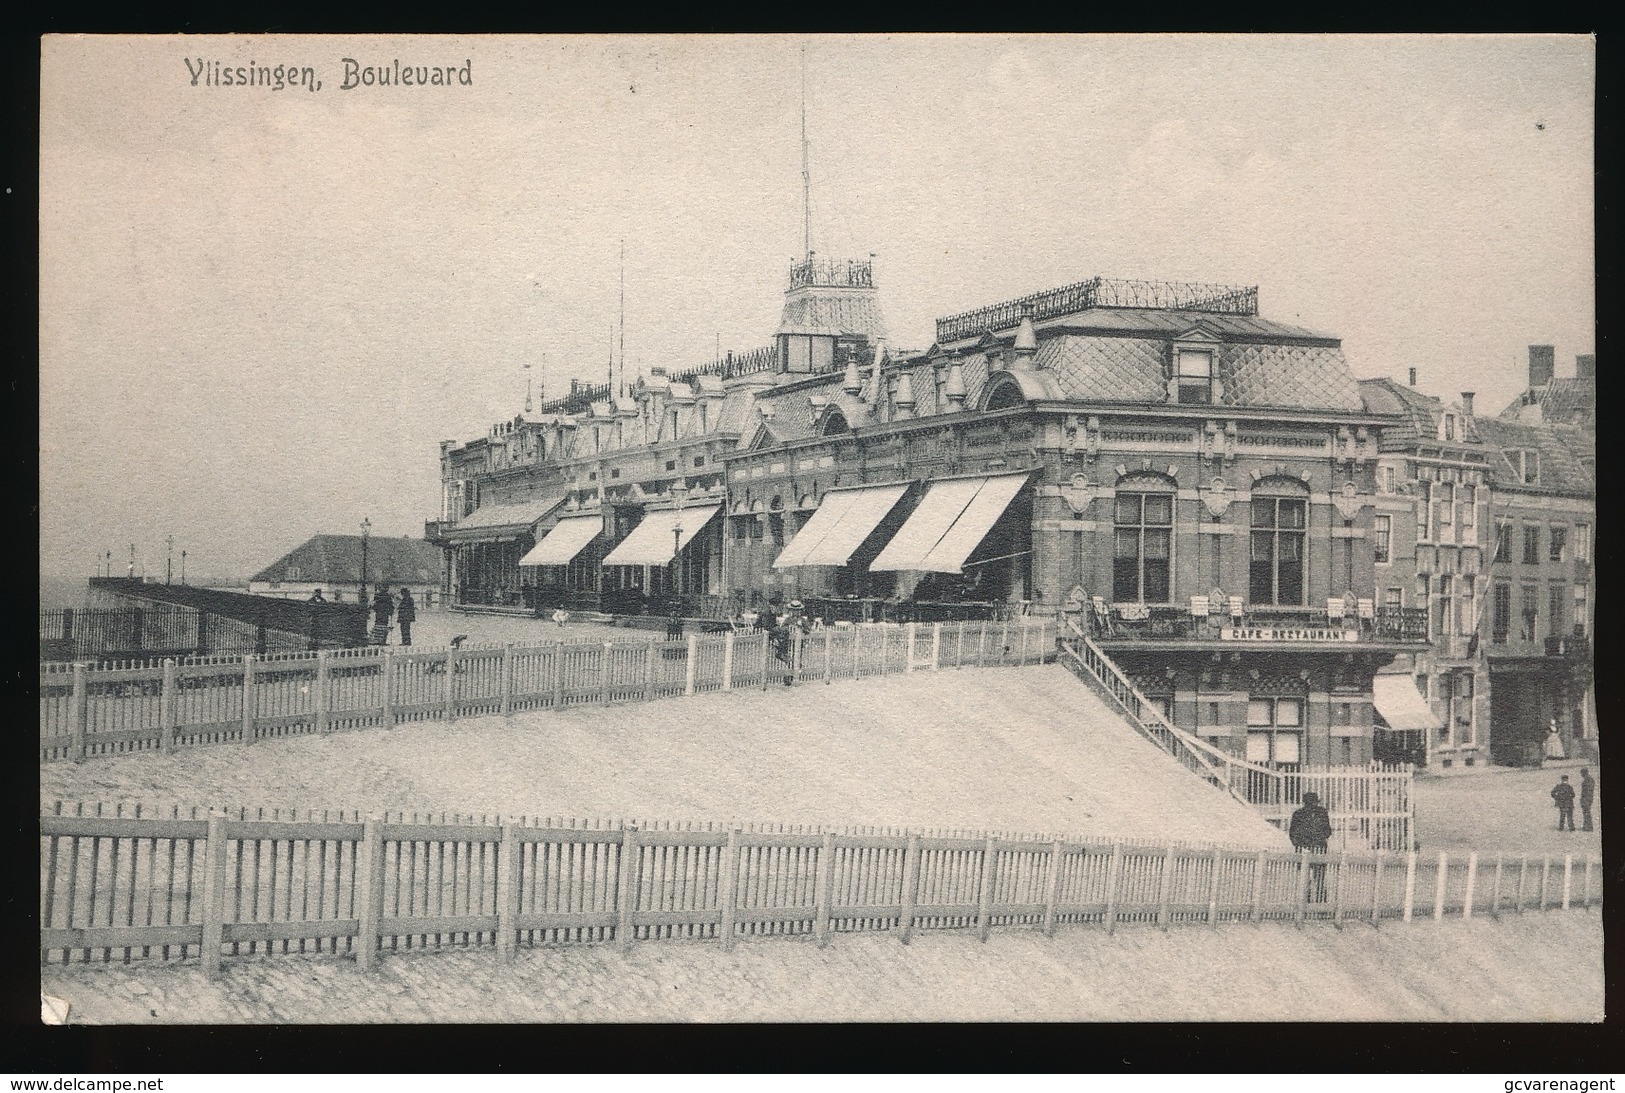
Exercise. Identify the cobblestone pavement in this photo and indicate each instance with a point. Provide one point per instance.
(1534, 968)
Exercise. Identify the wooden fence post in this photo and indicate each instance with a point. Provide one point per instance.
(829, 653)
(369, 892)
(1302, 909)
(214, 894)
(606, 651)
(166, 709)
(984, 902)
(1376, 888)
(911, 881)
(1472, 882)
(507, 678)
(1213, 887)
(730, 889)
(626, 888)
(1004, 642)
(885, 640)
(1114, 877)
(450, 712)
(1438, 886)
(1337, 890)
(386, 668)
(1588, 883)
(556, 670)
(728, 661)
(908, 660)
(1259, 863)
(1022, 659)
(981, 646)
(1523, 876)
(1545, 880)
(1495, 890)
(650, 654)
(79, 710)
(825, 880)
(959, 645)
(797, 640)
(248, 699)
(936, 646)
(1410, 883)
(1165, 890)
(693, 662)
(1052, 887)
(508, 881)
(322, 725)
(1568, 878)
(767, 653)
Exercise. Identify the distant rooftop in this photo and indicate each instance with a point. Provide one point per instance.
(1101, 292)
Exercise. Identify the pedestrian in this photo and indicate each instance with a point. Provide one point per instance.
(406, 612)
(1588, 793)
(1563, 798)
(1310, 831)
(674, 628)
(317, 597)
(383, 606)
(561, 616)
(1554, 742)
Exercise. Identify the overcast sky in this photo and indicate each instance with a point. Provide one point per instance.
(261, 310)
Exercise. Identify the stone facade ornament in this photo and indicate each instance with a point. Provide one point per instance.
(1079, 494)
(1217, 497)
(1348, 502)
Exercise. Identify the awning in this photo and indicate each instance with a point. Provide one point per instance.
(655, 542)
(950, 522)
(843, 521)
(492, 522)
(567, 539)
(1400, 705)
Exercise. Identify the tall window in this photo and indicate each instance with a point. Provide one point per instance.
(1557, 605)
(1388, 479)
(1444, 504)
(1393, 599)
(1582, 542)
(1464, 709)
(1503, 543)
(1530, 605)
(1145, 528)
(1275, 731)
(1528, 466)
(1531, 544)
(1501, 615)
(1194, 374)
(1382, 531)
(1469, 605)
(1469, 514)
(1275, 574)
(1581, 610)
(1557, 544)
(1423, 600)
(1424, 493)
(1441, 617)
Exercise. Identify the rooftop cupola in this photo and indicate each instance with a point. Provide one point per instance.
(830, 309)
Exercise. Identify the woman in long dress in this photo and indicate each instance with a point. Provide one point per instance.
(1554, 742)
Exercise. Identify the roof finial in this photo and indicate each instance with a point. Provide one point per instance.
(806, 174)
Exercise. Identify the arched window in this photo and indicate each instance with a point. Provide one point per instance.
(1280, 518)
(1004, 395)
(1143, 541)
(834, 423)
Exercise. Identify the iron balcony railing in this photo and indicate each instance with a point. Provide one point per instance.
(1100, 292)
(832, 273)
(1389, 625)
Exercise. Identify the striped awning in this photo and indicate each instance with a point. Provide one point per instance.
(1400, 705)
(661, 535)
(567, 538)
(844, 519)
(950, 522)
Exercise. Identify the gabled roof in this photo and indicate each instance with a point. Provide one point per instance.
(1564, 451)
(336, 559)
(1569, 400)
(1419, 415)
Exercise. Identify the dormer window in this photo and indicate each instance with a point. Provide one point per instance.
(1447, 428)
(1193, 372)
(1527, 464)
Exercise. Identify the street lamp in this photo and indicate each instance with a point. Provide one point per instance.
(183, 567)
(679, 492)
(366, 530)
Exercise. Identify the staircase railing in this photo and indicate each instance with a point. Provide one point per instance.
(1249, 783)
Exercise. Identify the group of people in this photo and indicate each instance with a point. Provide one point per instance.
(1563, 798)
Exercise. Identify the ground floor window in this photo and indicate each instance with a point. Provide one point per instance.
(1275, 731)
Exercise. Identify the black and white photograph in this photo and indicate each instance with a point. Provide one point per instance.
(599, 529)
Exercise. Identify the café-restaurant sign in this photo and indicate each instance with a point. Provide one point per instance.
(1287, 633)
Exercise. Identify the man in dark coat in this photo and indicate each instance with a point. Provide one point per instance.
(1563, 796)
(1588, 793)
(382, 608)
(1311, 830)
(405, 613)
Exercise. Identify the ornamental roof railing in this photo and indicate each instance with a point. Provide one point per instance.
(583, 395)
(832, 273)
(1101, 292)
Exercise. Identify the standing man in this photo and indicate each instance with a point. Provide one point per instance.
(1563, 797)
(1588, 793)
(1310, 831)
(382, 608)
(405, 613)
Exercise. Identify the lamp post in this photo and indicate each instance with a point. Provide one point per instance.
(366, 531)
(169, 558)
(183, 567)
(679, 492)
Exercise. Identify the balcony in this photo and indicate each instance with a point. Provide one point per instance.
(1257, 626)
(1569, 646)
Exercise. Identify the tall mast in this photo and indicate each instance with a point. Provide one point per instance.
(622, 382)
(806, 175)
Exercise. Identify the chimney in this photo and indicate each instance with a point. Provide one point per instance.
(1467, 403)
(1542, 363)
(1026, 346)
(1413, 377)
(1585, 366)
